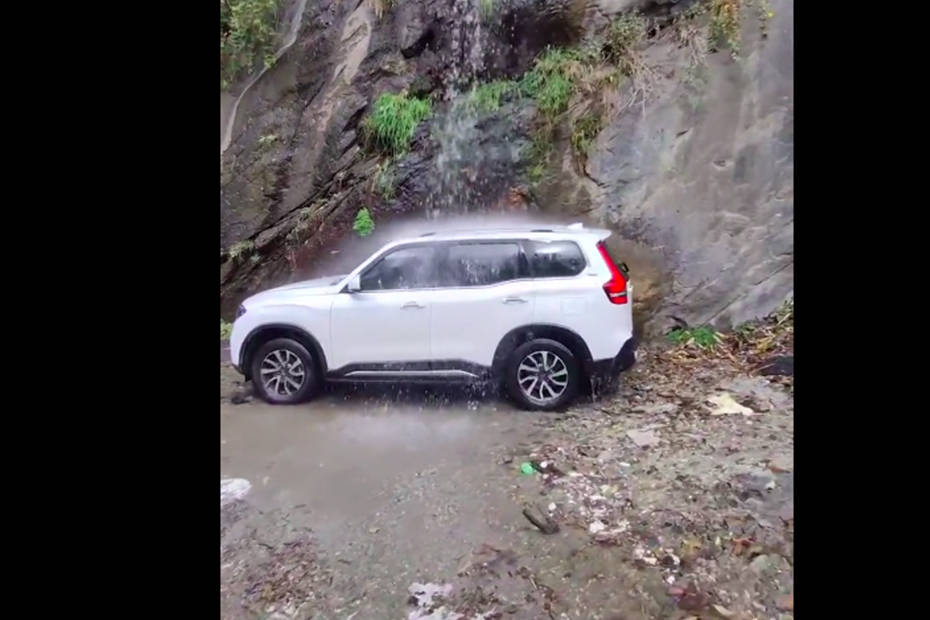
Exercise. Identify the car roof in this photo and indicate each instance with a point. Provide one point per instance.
(542, 233)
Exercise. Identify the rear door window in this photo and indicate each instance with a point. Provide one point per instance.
(481, 264)
(555, 259)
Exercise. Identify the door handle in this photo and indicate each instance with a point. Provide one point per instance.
(411, 304)
(514, 300)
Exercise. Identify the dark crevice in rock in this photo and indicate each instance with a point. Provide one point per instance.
(352, 123)
(426, 41)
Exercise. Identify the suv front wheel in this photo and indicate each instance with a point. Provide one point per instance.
(543, 375)
(284, 372)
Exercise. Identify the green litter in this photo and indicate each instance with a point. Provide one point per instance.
(527, 469)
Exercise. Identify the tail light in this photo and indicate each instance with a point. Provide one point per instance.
(615, 288)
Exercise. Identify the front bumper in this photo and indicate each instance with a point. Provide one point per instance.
(609, 368)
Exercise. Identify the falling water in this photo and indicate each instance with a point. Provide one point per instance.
(468, 162)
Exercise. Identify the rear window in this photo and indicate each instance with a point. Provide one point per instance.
(555, 259)
(479, 264)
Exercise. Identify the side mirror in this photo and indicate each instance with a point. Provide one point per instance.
(355, 284)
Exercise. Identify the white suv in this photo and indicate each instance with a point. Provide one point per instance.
(545, 312)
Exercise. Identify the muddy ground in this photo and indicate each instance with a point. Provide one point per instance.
(672, 497)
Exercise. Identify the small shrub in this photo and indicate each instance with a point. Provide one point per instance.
(701, 337)
(538, 154)
(363, 225)
(584, 131)
(225, 330)
(240, 250)
(487, 97)
(392, 123)
(764, 13)
(724, 24)
(551, 81)
(625, 33)
(247, 34)
(384, 181)
(304, 220)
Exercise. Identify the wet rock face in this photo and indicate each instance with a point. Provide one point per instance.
(698, 182)
(712, 180)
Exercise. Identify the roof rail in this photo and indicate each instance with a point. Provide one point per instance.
(429, 234)
(541, 230)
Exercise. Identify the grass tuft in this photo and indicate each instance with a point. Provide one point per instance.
(392, 123)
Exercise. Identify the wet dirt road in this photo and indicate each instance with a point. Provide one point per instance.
(363, 492)
(395, 487)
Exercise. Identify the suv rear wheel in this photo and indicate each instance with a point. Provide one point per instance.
(283, 371)
(543, 375)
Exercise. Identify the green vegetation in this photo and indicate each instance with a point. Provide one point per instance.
(487, 97)
(538, 155)
(772, 334)
(384, 181)
(391, 125)
(487, 9)
(625, 33)
(363, 225)
(551, 81)
(724, 24)
(225, 330)
(247, 33)
(267, 140)
(701, 337)
(765, 13)
(240, 250)
(304, 217)
(584, 130)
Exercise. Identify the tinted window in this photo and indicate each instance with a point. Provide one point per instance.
(477, 264)
(401, 269)
(555, 259)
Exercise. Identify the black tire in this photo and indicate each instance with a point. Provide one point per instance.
(540, 349)
(282, 392)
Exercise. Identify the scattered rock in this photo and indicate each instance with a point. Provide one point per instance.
(422, 595)
(693, 601)
(723, 611)
(723, 404)
(643, 438)
(760, 564)
(232, 489)
(781, 464)
(241, 395)
(541, 521)
(785, 603)
(782, 365)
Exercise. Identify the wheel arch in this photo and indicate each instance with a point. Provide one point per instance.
(264, 333)
(519, 335)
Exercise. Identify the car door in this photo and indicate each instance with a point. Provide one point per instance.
(568, 291)
(483, 293)
(388, 320)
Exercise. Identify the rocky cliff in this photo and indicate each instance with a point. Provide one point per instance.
(670, 122)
